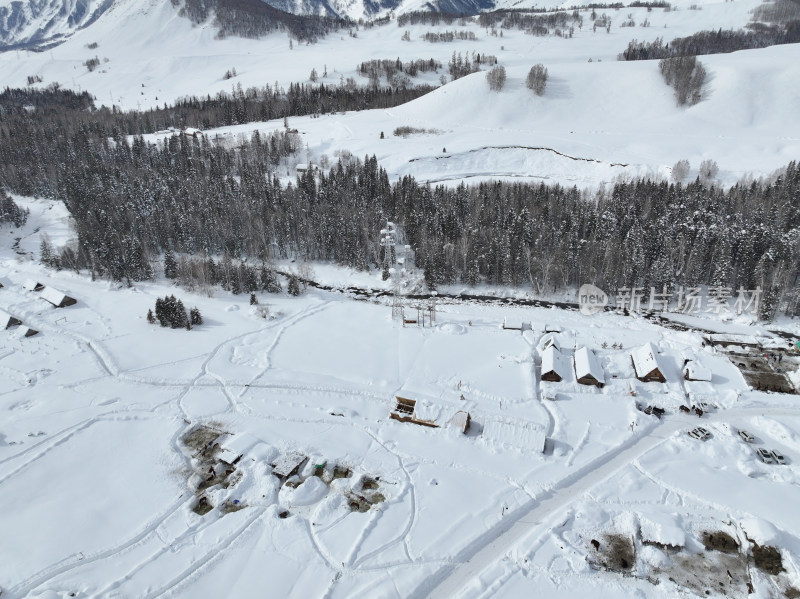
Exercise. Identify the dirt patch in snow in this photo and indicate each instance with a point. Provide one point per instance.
(767, 559)
(720, 541)
(615, 552)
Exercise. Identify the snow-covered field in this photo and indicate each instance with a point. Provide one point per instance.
(101, 483)
(599, 119)
(116, 434)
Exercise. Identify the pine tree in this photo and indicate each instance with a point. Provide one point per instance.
(170, 265)
(150, 318)
(47, 256)
(195, 316)
(269, 281)
(294, 286)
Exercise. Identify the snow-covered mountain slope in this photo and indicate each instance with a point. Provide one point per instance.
(595, 108)
(39, 23)
(365, 9)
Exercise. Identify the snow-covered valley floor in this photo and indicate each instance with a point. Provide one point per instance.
(116, 432)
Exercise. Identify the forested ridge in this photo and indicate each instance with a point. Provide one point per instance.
(132, 200)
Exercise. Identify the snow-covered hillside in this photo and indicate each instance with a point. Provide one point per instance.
(330, 446)
(598, 119)
(31, 24)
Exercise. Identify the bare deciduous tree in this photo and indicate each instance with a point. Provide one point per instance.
(537, 79)
(496, 78)
(680, 170)
(708, 170)
(686, 75)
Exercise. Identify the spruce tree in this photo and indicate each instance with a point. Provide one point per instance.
(294, 286)
(170, 265)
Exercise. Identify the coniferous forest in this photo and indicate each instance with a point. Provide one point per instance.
(132, 201)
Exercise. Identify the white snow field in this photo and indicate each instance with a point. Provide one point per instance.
(599, 120)
(102, 486)
(140, 462)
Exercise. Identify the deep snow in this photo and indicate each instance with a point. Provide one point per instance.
(99, 487)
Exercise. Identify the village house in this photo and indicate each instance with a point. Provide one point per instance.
(646, 365)
(553, 368)
(57, 298)
(587, 368)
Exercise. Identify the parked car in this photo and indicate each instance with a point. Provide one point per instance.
(765, 456)
(655, 411)
(746, 437)
(778, 457)
(699, 433)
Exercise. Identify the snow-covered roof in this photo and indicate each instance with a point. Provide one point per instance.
(661, 528)
(460, 420)
(286, 464)
(426, 410)
(696, 371)
(550, 340)
(235, 446)
(727, 339)
(32, 285)
(54, 296)
(553, 361)
(700, 391)
(586, 364)
(644, 359)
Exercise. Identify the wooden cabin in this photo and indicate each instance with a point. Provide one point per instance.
(552, 365)
(587, 368)
(645, 364)
(57, 298)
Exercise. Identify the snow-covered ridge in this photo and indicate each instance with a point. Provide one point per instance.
(39, 24)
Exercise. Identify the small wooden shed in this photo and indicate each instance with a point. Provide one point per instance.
(646, 365)
(57, 298)
(7, 321)
(587, 368)
(288, 464)
(32, 285)
(461, 421)
(696, 371)
(28, 332)
(232, 448)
